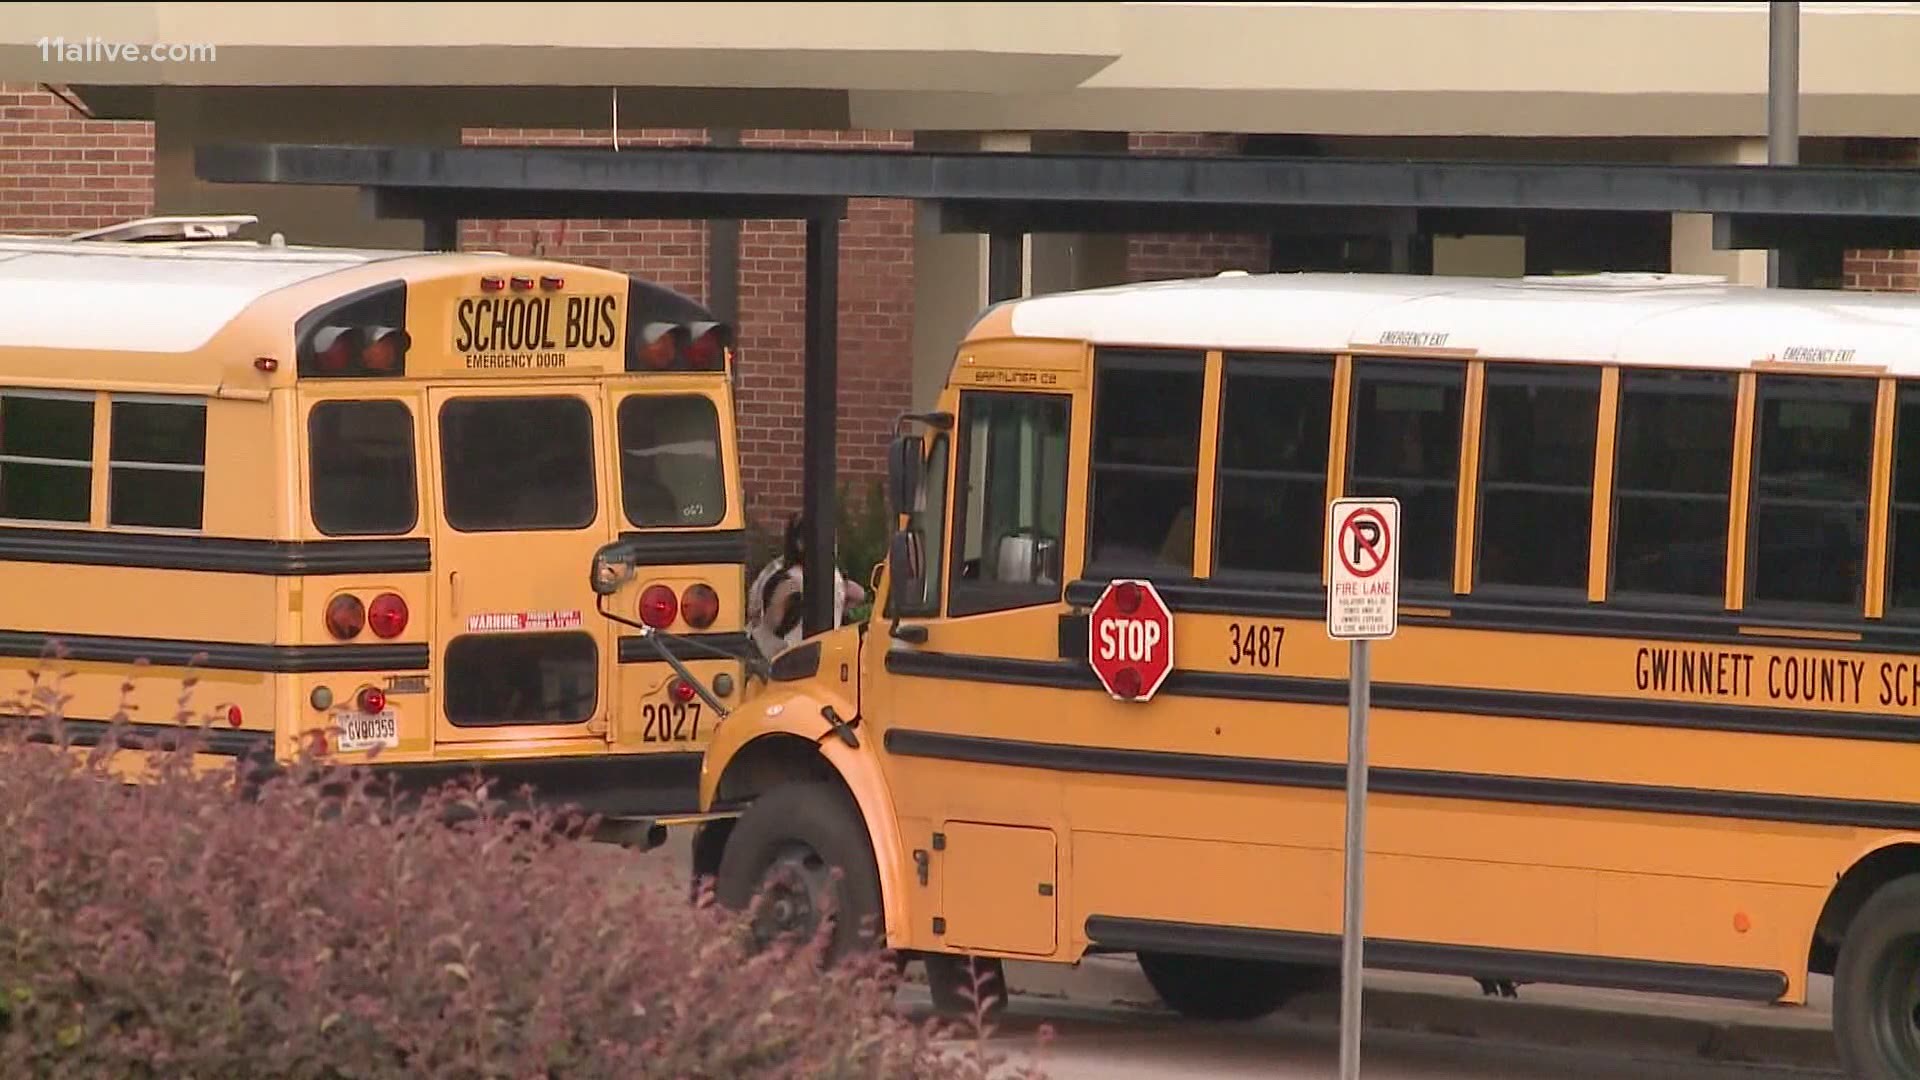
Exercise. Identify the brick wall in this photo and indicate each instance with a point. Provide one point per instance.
(1881, 269)
(1158, 256)
(673, 253)
(876, 302)
(61, 172)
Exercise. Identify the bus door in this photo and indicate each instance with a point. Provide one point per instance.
(1001, 558)
(519, 652)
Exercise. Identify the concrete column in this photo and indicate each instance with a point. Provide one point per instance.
(1065, 261)
(950, 269)
(1480, 256)
(1693, 250)
(185, 117)
(950, 273)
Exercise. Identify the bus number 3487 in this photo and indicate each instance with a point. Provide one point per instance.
(1254, 644)
(670, 721)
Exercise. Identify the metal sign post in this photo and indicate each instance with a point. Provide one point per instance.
(1363, 604)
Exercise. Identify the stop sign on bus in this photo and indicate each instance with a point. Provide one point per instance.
(1130, 640)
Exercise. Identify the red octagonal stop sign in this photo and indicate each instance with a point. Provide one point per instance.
(1130, 640)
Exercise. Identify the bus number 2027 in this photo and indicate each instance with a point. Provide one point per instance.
(670, 721)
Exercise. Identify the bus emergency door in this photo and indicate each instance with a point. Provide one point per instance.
(521, 508)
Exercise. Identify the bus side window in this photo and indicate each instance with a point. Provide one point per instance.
(1536, 476)
(1903, 526)
(1270, 511)
(1673, 477)
(1011, 506)
(1405, 444)
(361, 468)
(1146, 462)
(157, 461)
(1813, 451)
(46, 455)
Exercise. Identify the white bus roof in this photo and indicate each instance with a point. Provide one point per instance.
(146, 296)
(1642, 319)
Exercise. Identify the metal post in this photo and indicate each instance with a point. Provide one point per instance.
(1351, 924)
(1005, 268)
(821, 406)
(723, 252)
(441, 232)
(1783, 110)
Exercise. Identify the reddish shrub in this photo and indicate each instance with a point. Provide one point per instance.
(314, 926)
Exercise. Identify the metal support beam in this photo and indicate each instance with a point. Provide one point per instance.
(1005, 266)
(1733, 232)
(723, 252)
(668, 182)
(818, 455)
(1783, 113)
(548, 205)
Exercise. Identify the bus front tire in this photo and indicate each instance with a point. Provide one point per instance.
(1224, 988)
(966, 985)
(1876, 986)
(800, 854)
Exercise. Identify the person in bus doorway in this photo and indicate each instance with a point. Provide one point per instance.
(776, 603)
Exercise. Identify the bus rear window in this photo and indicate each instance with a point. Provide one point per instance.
(517, 463)
(670, 461)
(361, 464)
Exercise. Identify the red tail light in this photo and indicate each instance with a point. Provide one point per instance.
(234, 718)
(336, 348)
(522, 284)
(387, 350)
(658, 354)
(492, 284)
(700, 605)
(658, 346)
(708, 350)
(387, 615)
(658, 606)
(682, 691)
(708, 345)
(550, 283)
(372, 699)
(345, 616)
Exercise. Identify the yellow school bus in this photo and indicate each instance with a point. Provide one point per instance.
(1651, 719)
(354, 497)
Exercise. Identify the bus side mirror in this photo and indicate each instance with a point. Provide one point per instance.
(613, 566)
(906, 569)
(905, 460)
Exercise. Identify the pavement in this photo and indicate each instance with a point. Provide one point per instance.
(1690, 1032)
